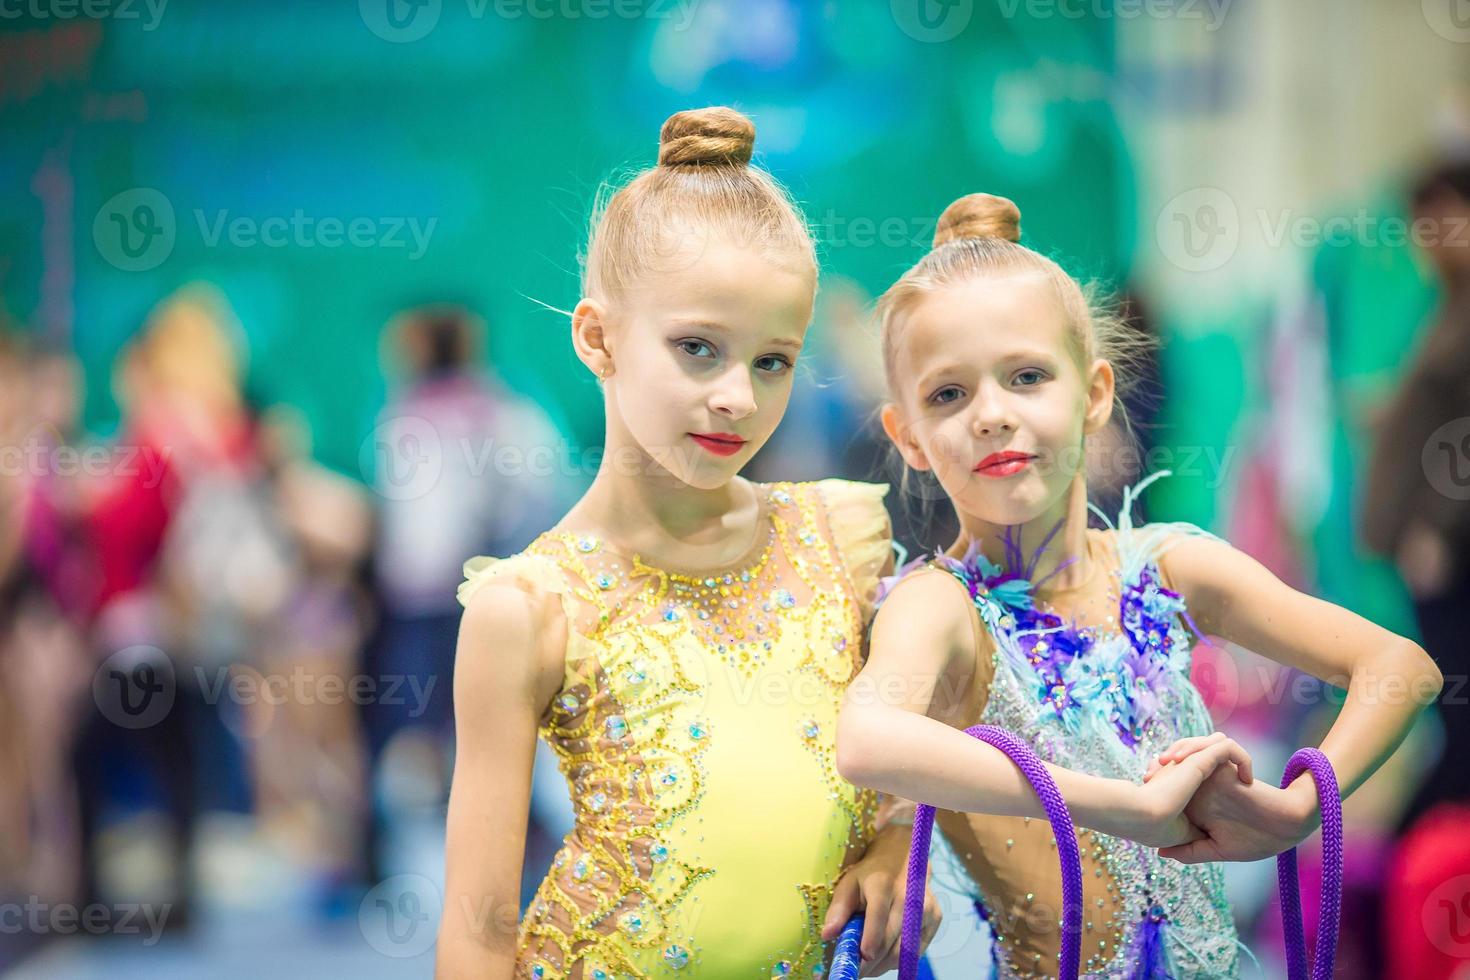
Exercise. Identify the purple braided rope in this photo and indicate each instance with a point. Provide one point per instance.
(1061, 825)
(1330, 909)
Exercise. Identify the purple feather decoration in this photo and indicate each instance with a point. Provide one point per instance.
(1150, 962)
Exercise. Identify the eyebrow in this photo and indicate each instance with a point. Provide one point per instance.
(927, 378)
(787, 342)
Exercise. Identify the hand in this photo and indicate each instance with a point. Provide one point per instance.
(875, 885)
(1161, 818)
(1239, 821)
(1185, 747)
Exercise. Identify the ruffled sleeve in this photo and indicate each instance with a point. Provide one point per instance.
(862, 532)
(529, 573)
(537, 576)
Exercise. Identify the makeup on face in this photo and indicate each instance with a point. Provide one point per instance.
(992, 393)
(1003, 464)
(719, 443)
(707, 358)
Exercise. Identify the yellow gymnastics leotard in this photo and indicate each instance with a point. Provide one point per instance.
(695, 726)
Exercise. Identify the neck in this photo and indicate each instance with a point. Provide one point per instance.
(1065, 522)
(640, 505)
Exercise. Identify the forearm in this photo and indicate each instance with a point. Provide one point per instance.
(1384, 696)
(457, 953)
(478, 924)
(915, 757)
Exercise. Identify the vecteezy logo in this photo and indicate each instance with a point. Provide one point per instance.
(1198, 230)
(1215, 674)
(1446, 459)
(932, 21)
(1446, 916)
(400, 21)
(400, 916)
(135, 687)
(402, 458)
(1450, 19)
(135, 230)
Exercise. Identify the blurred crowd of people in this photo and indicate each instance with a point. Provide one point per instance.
(196, 617)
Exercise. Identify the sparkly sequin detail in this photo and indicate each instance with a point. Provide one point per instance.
(1071, 679)
(1102, 700)
(654, 659)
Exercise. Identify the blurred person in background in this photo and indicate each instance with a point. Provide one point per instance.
(184, 432)
(15, 842)
(46, 571)
(461, 465)
(1416, 511)
(308, 764)
(25, 777)
(1416, 506)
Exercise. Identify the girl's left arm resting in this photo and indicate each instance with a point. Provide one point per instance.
(1389, 678)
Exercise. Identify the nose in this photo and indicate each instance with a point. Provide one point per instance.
(990, 414)
(734, 396)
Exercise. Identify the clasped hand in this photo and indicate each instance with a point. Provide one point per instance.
(1210, 807)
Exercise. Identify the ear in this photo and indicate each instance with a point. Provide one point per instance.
(901, 434)
(590, 337)
(1100, 389)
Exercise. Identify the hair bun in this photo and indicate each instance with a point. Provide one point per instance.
(979, 216)
(714, 137)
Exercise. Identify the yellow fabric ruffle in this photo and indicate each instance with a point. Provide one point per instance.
(862, 532)
(530, 573)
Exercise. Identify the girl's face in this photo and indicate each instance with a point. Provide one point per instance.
(991, 397)
(703, 359)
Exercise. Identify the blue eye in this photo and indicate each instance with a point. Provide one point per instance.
(1040, 377)
(943, 395)
(781, 364)
(693, 348)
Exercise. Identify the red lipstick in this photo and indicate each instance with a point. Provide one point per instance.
(1003, 464)
(719, 443)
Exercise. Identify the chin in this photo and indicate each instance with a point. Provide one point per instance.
(690, 464)
(707, 478)
(707, 474)
(1014, 503)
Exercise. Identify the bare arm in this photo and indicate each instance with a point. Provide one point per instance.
(508, 667)
(923, 655)
(893, 810)
(1389, 678)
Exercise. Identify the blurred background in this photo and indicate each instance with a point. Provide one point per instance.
(279, 349)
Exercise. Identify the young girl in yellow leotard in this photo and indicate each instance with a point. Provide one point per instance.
(682, 637)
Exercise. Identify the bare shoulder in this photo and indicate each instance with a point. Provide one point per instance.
(1201, 567)
(512, 642)
(928, 609)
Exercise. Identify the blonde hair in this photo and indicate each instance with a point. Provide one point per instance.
(703, 185)
(193, 344)
(980, 235)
